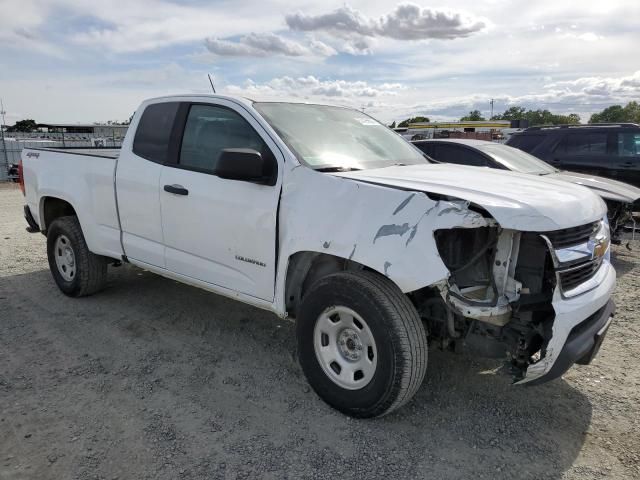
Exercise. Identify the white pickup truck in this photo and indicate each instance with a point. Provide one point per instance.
(322, 214)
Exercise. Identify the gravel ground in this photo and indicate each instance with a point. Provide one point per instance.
(152, 379)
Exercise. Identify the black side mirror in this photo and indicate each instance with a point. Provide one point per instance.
(241, 164)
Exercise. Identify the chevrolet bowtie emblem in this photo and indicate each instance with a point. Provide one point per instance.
(599, 246)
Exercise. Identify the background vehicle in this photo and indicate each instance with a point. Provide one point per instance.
(610, 150)
(618, 196)
(323, 214)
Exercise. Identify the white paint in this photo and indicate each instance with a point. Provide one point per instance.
(381, 218)
(516, 200)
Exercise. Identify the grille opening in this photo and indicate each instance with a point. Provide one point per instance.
(578, 275)
(568, 237)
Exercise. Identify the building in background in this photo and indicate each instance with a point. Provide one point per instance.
(495, 130)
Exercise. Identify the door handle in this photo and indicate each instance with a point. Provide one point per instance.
(176, 189)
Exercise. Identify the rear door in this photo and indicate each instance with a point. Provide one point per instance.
(217, 230)
(138, 180)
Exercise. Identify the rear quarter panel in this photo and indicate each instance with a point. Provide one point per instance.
(85, 182)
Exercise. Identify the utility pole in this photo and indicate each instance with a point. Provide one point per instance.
(4, 144)
(491, 108)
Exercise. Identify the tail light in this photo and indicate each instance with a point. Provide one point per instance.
(21, 177)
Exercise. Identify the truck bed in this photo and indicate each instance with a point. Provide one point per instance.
(83, 177)
(112, 153)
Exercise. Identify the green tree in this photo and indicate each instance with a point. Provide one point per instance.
(473, 116)
(632, 112)
(512, 113)
(27, 125)
(405, 123)
(614, 113)
(617, 113)
(393, 125)
(537, 117)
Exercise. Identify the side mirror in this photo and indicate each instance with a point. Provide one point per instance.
(241, 164)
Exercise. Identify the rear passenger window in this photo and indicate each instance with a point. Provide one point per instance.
(154, 131)
(459, 155)
(593, 143)
(526, 143)
(425, 148)
(629, 144)
(211, 129)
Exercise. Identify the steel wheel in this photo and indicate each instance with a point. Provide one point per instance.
(345, 347)
(65, 258)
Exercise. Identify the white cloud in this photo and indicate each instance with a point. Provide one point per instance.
(609, 88)
(406, 22)
(260, 45)
(312, 88)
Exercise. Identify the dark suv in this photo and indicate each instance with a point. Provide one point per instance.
(606, 149)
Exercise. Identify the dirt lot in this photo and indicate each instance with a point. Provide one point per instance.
(154, 379)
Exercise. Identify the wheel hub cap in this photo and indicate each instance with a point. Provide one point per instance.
(65, 258)
(345, 347)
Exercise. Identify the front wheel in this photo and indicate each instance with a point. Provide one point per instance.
(76, 270)
(361, 343)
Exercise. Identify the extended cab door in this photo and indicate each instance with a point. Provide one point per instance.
(218, 230)
(138, 183)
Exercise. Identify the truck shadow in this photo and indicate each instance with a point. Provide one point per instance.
(216, 384)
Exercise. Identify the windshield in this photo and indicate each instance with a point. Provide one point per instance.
(324, 137)
(516, 160)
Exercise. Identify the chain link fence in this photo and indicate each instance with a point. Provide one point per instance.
(13, 143)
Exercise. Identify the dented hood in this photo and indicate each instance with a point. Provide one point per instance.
(517, 201)
(605, 187)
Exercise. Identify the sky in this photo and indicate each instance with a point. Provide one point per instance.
(92, 61)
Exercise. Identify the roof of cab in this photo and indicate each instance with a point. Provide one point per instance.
(234, 98)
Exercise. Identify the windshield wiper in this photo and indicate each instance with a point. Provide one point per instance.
(336, 169)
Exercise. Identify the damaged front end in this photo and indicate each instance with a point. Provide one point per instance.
(497, 301)
(511, 294)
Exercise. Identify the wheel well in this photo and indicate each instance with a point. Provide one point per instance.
(305, 268)
(53, 208)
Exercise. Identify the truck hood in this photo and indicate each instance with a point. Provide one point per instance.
(517, 201)
(605, 187)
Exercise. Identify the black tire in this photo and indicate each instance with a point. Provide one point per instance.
(397, 329)
(91, 270)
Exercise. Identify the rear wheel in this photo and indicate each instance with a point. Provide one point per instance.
(361, 343)
(76, 270)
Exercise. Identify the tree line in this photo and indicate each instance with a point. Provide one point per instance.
(613, 114)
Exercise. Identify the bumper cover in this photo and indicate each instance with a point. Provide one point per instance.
(33, 226)
(582, 345)
(573, 317)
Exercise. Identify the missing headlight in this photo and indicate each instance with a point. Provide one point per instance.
(468, 254)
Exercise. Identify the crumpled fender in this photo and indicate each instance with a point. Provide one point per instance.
(386, 229)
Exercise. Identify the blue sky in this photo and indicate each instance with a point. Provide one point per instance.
(85, 61)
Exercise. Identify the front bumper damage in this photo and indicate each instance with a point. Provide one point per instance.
(543, 305)
(579, 327)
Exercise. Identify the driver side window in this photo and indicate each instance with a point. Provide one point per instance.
(209, 130)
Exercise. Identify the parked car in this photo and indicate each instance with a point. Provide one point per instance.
(324, 215)
(618, 196)
(13, 172)
(609, 150)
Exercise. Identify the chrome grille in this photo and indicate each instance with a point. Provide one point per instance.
(572, 236)
(577, 275)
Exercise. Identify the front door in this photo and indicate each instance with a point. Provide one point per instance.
(217, 230)
(585, 152)
(627, 157)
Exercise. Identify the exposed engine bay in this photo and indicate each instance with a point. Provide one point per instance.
(497, 301)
